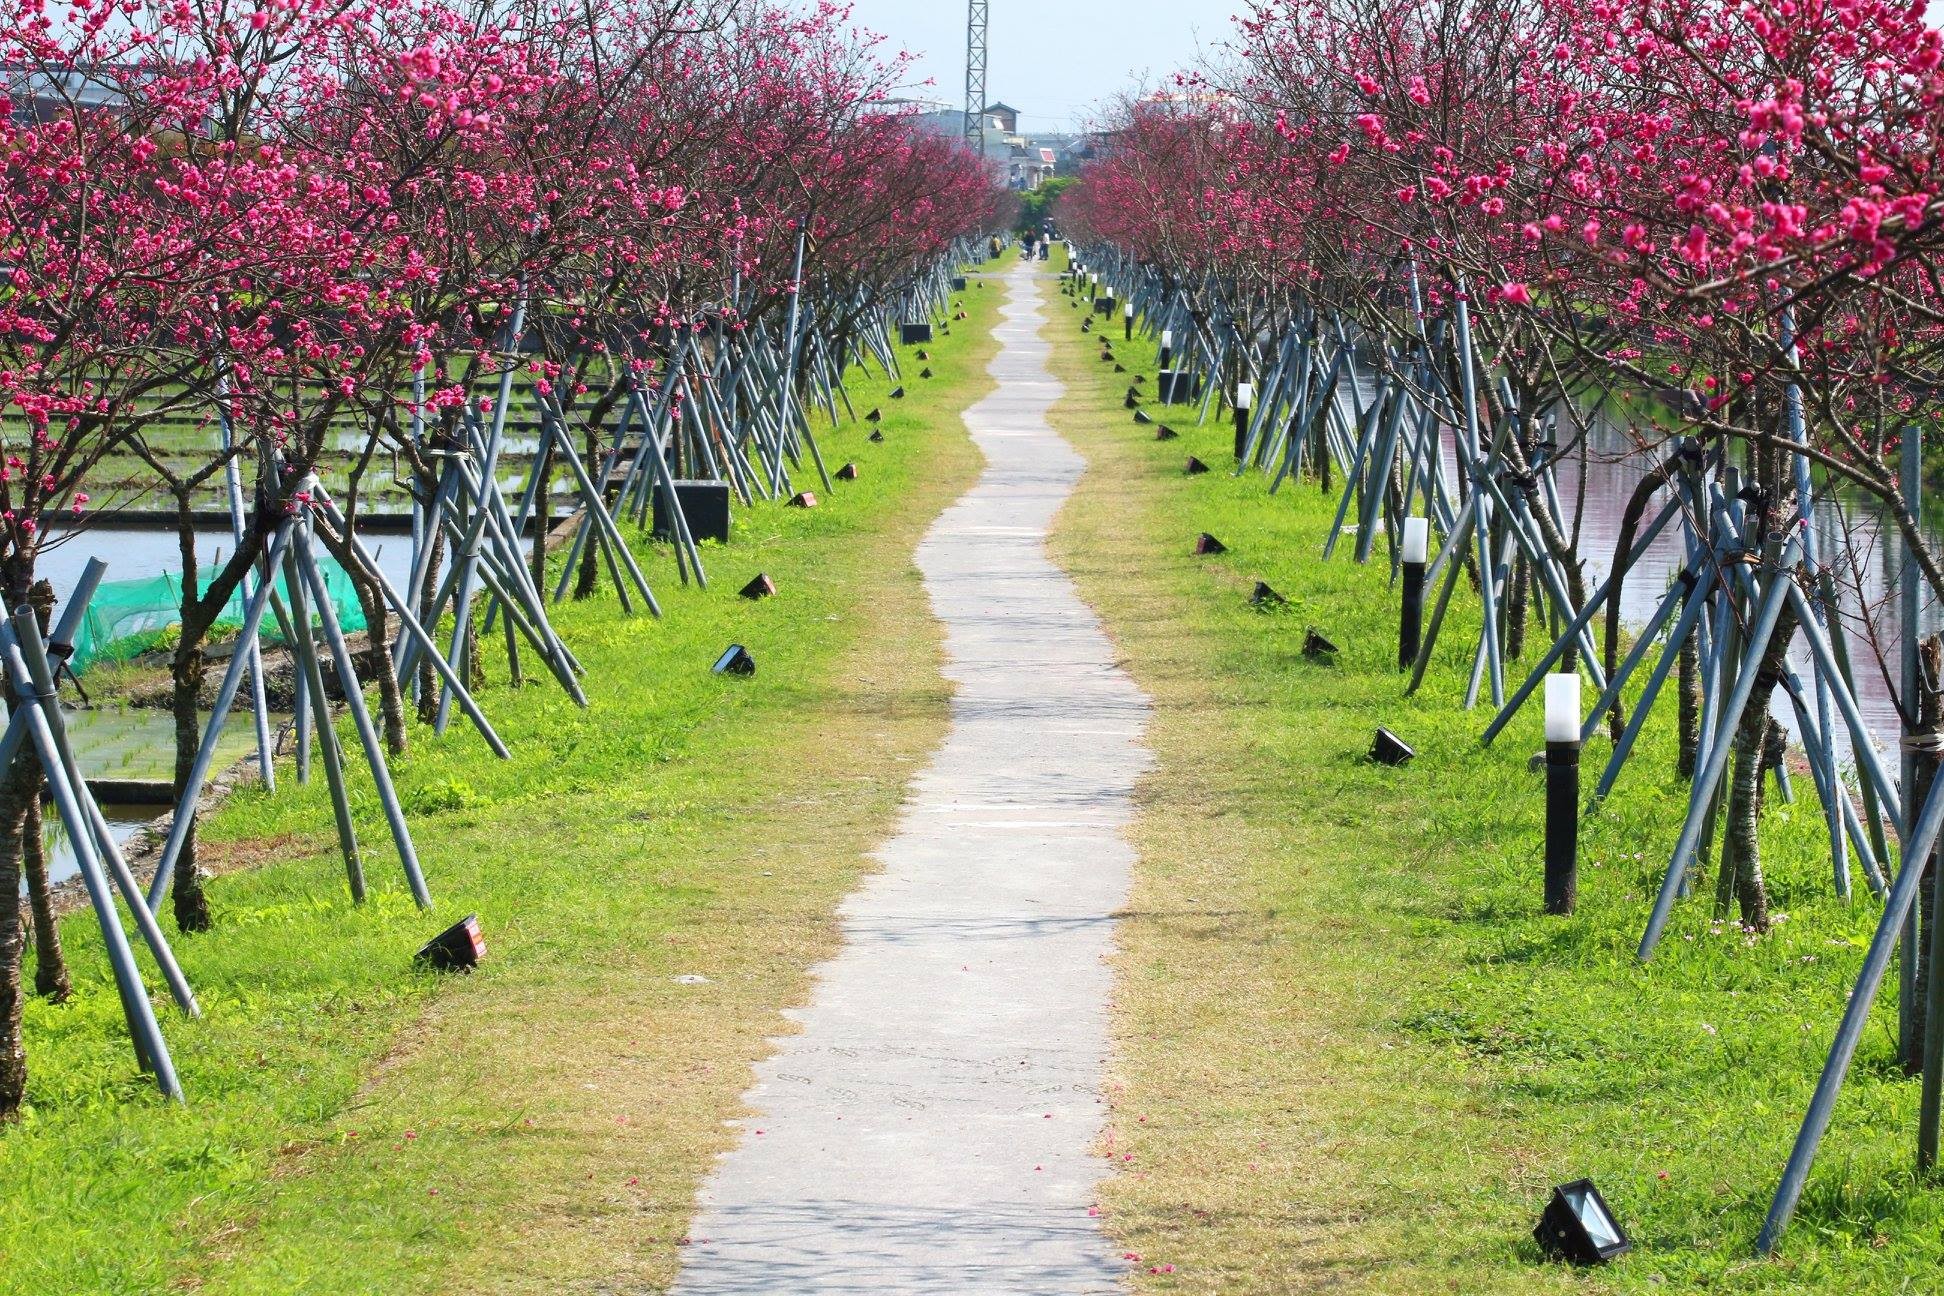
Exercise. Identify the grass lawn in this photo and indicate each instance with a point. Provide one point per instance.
(1353, 1053)
(356, 1126)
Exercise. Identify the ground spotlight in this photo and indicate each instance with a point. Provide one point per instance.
(456, 949)
(735, 660)
(1388, 749)
(1577, 1225)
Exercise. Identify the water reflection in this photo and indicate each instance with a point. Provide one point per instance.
(134, 747)
(123, 823)
(1850, 535)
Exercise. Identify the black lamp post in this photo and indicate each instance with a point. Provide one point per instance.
(1244, 397)
(1410, 619)
(1127, 318)
(1562, 792)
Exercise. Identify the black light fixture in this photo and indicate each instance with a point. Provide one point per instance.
(760, 588)
(874, 416)
(925, 372)
(1165, 433)
(877, 434)
(456, 949)
(923, 354)
(1388, 749)
(1410, 619)
(1141, 416)
(802, 499)
(1194, 467)
(1578, 1226)
(735, 660)
(1120, 368)
(1130, 401)
(704, 506)
(1264, 596)
(847, 473)
(897, 393)
(1208, 544)
(1562, 792)
(1317, 647)
(1167, 350)
(1244, 397)
(1127, 318)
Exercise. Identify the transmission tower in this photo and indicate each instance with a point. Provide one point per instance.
(975, 74)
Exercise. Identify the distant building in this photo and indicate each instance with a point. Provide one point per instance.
(41, 94)
(1026, 161)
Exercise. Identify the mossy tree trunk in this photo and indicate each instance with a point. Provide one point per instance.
(17, 791)
(50, 964)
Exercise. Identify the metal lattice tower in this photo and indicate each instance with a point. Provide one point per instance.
(975, 74)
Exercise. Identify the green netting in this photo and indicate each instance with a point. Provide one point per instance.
(131, 617)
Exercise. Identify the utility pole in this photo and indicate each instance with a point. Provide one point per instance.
(975, 74)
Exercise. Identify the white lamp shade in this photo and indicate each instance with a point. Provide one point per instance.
(1417, 539)
(1244, 395)
(1128, 310)
(1562, 708)
(1167, 337)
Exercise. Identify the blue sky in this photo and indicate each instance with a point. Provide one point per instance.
(1052, 59)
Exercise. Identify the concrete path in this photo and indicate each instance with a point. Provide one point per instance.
(931, 1129)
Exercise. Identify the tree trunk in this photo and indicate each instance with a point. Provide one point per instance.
(1517, 608)
(1741, 856)
(428, 677)
(475, 657)
(16, 790)
(50, 966)
(542, 520)
(1929, 704)
(391, 699)
(589, 577)
(191, 903)
(1688, 690)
